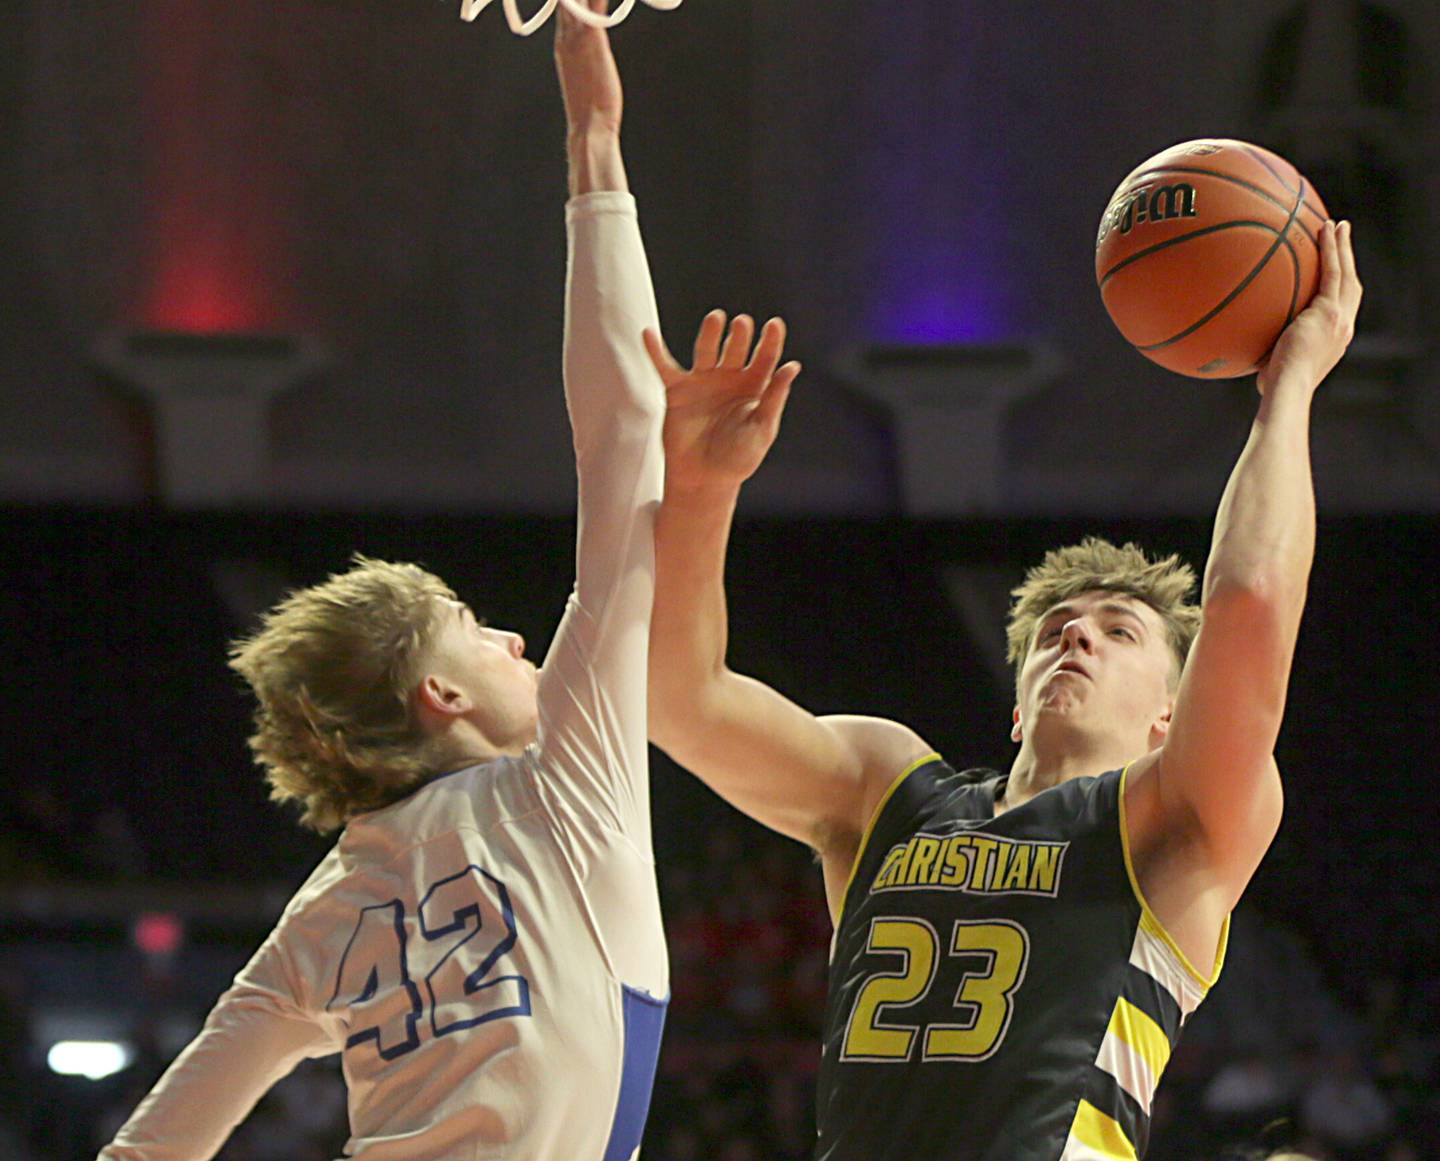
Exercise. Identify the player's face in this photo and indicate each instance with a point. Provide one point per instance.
(1100, 661)
(489, 664)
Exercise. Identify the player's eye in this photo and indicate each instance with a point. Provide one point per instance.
(1122, 631)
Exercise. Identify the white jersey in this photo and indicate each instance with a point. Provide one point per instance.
(487, 953)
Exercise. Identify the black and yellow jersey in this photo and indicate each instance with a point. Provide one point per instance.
(999, 990)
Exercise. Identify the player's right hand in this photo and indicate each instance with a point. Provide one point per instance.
(589, 80)
(1317, 338)
(723, 413)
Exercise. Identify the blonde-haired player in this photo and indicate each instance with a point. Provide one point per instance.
(483, 945)
(1015, 953)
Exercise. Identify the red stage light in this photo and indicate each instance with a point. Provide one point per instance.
(212, 259)
(159, 933)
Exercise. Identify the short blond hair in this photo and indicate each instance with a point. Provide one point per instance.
(332, 668)
(1096, 564)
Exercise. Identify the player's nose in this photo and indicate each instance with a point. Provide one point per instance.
(517, 645)
(1077, 634)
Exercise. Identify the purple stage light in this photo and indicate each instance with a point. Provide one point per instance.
(940, 315)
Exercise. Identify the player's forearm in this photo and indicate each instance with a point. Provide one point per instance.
(249, 1042)
(689, 628)
(596, 163)
(1264, 537)
(610, 385)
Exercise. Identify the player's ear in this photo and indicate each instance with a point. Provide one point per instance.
(1160, 727)
(1016, 733)
(440, 695)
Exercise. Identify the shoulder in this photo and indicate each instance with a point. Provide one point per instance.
(883, 752)
(876, 739)
(882, 749)
(1141, 801)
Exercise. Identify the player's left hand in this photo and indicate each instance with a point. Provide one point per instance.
(1314, 342)
(723, 413)
(589, 80)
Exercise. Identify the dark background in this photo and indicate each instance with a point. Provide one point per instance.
(388, 181)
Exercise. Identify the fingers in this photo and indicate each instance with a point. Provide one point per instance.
(1329, 260)
(759, 366)
(1338, 280)
(661, 357)
(766, 356)
(568, 24)
(768, 350)
(773, 401)
(737, 343)
(707, 341)
(1346, 247)
(596, 13)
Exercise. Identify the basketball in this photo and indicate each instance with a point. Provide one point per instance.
(1206, 252)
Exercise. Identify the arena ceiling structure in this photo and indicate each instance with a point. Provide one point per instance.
(384, 186)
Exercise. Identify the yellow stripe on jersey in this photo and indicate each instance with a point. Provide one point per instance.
(1099, 1135)
(870, 826)
(1134, 1051)
(1140, 1032)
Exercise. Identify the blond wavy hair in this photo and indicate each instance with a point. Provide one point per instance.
(1065, 573)
(332, 668)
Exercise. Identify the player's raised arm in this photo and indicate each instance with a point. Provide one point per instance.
(1217, 778)
(592, 728)
(803, 776)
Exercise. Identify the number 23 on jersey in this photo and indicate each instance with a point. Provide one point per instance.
(991, 955)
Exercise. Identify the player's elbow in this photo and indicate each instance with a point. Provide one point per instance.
(1257, 595)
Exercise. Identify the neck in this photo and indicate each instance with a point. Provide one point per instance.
(1048, 758)
(464, 745)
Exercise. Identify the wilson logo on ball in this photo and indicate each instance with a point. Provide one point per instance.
(1148, 205)
(1207, 293)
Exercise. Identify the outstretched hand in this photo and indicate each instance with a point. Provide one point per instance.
(1314, 342)
(723, 413)
(589, 80)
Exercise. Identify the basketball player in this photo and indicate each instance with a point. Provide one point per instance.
(1014, 952)
(483, 945)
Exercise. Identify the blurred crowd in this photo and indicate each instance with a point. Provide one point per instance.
(1345, 1071)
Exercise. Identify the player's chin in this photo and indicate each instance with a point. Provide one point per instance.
(1059, 701)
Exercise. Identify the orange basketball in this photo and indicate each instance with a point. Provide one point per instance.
(1205, 254)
